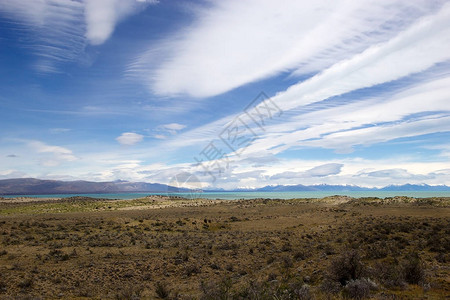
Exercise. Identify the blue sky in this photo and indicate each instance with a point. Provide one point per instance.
(145, 90)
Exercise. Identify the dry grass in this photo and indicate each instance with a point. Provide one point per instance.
(254, 249)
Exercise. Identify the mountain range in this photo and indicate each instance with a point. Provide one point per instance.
(31, 186)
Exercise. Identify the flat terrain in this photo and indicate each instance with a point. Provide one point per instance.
(159, 247)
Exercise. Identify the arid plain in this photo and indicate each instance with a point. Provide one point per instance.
(173, 248)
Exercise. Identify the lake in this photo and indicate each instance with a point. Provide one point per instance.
(251, 195)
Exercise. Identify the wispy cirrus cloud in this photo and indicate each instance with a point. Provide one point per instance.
(54, 155)
(265, 38)
(394, 114)
(389, 116)
(103, 15)
(53, 31)
(366, 122)
(170, 129)
(57, 31)
(59, 130)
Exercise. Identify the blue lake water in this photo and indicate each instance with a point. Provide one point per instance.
(251, 195)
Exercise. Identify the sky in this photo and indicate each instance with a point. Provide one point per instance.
(226, 94)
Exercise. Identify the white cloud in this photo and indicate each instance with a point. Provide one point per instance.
(59, 130)
(61, 152)
(319, 171)
(129, 138)
(8, 174)
(160, 136)
(365, 122)
(103, 15)
(383, 133)
(236, 42)
(173, 126)
(406, 51)
(395, 174)
(242, 173)
(171, 129)
(53, 155)
(325, 170)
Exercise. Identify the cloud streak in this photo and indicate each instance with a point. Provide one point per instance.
(54, 155)
(386, 117)
(57, 31)
(265, 38)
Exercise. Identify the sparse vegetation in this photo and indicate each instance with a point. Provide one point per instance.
(249, 249)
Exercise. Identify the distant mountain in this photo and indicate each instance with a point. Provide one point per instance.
(29, 186)
(318, 187)
(340, 188)
(416, 187)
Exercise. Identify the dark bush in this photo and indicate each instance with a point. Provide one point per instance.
(300, 255)
(330, 286)
(129, 293)
(26, 283)
(413, 270)
(191, 270)
(3, 286)
(162, 291)
(389, 273)
(346, 267)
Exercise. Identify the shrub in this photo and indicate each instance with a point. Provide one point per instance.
(413, 270)
(359, 288)
(330, 286)
(25, 283)
(346, 267)
(3, 286)
(377, 250)
(303, 293)
(300, 255)
(287, 261)
(129, 293)
(389, 273)
(162, 291)
(216, 290)
(191, 269)
(254, 290)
